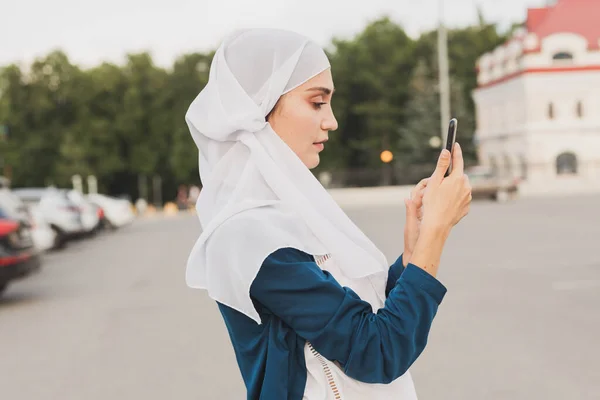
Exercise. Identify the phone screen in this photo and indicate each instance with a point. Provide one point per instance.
(450, 139)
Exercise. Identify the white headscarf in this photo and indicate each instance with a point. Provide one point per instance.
(257, 195)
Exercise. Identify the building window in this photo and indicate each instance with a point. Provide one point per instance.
(562, 57)
(550, 111)
(579, 109)
(566, 164)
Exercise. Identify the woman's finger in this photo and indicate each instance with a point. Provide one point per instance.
(458, 165)
(419, 187)
(412, 215)
(418, 198)
(418, 192)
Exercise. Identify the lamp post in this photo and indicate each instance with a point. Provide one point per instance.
(444, 79)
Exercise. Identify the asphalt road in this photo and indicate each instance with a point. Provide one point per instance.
(111, 317)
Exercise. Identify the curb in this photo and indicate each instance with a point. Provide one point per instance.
(377, 196)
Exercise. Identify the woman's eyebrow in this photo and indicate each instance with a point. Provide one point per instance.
(323, 89)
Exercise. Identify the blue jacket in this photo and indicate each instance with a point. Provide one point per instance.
(297, 301)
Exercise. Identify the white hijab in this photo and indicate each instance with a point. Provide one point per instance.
(257, 195)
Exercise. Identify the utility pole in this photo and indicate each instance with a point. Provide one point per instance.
(444, 79)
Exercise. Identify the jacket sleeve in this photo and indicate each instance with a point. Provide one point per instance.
(371, 347)
(394, 274)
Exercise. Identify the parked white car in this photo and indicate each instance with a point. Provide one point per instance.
(13, 206)
(63, 216)
(44, 237)
(90, 213)
(117, 212)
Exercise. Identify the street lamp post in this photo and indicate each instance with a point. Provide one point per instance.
(444, 79)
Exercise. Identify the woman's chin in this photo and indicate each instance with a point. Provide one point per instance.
(312, 161)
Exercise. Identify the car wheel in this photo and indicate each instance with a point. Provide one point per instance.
(59, 238)
(3, 287)
(502, 196)
(109, 225)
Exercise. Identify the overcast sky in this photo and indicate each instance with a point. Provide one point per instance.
(91, 32)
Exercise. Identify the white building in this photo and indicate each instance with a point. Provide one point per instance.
(538, 100)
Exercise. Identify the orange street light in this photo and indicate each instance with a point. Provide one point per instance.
(386, 156)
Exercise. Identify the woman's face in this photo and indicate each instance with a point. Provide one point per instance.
(303, 118)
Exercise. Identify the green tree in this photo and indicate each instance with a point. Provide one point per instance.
(122, 122)
(371, 74)
(465, 46)
(105, 87)
(416, 137)
(189, 76)
(40, 107)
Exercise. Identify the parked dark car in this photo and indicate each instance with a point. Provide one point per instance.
(18, 256)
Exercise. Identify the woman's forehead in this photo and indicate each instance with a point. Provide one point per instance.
(323, 82)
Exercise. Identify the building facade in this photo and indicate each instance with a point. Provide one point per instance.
(538, 100)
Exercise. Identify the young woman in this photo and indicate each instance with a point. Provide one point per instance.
(313, 309)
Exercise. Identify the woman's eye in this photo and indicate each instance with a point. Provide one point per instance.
(318, 105)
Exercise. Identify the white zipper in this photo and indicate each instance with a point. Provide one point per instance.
(327, 371)
(320, 260)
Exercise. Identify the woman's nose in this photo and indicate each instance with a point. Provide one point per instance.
(329, 123)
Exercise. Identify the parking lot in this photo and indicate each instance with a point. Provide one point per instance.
(112, 318)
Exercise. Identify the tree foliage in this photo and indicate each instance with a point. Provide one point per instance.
(120, 122)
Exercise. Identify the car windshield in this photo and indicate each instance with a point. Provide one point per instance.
(29, 200)
(33, 196)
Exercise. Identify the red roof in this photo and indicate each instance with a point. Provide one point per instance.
(581, 17)
(535, 16)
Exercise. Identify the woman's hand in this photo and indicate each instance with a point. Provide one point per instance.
(447, 200)
(414, 213)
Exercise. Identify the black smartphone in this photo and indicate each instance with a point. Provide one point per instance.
(450, 140)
